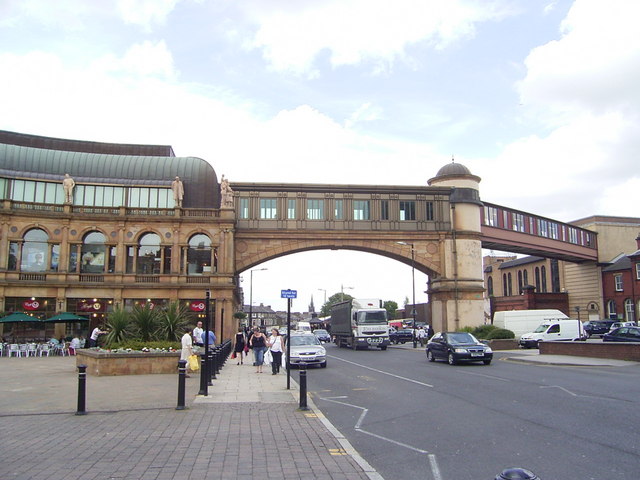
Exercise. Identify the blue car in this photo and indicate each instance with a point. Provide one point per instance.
(623, 334)
(322, 335)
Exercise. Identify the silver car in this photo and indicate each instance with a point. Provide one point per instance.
(305, 347)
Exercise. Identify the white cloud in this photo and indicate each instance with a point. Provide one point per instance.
(144, 59)
(353, 32)
(146, 12)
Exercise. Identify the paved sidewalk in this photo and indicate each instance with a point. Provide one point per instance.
(248, 427)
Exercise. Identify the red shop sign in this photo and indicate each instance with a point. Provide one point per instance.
(90, 306)
(197, 306)
(31, 305)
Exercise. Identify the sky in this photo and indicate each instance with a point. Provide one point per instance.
(539, 98)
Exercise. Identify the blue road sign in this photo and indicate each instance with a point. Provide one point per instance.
(288, 294)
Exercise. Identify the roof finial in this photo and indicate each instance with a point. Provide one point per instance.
(452, 159)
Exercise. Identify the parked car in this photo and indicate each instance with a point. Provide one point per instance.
(401, 336)
(623, 334)
(458, 347)
(305, 347)
(322, 335)
(615, 325)
(597, 327)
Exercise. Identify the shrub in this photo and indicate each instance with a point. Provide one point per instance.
(500, 333)
(145, 321)
(467, 330)
(484, 330)
(172, 322)
(119, 325)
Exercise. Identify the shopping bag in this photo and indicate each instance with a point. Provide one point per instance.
(246, 349)
(233, 355)
(268, 358)
(194, 365)
(284, 360)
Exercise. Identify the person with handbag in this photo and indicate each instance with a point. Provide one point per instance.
(187, 348)
(276, 347)
(238, 348)
(258, 343)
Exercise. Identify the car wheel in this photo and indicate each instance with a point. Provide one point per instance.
(383, 348)
(430, 356)
(487, 362)
(403, 342)
(451, 359)
(323, 365)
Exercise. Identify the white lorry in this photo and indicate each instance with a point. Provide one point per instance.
(554, 330)
(360, 323)
(525, 321)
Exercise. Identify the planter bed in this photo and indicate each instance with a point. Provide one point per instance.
(102, 362)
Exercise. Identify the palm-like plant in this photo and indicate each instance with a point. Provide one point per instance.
(145, 321)
(119, 326)
(172, 322)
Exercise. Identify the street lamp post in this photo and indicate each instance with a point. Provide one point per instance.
(413, 282)
(251, 294)
(325, 294)
(342, 289)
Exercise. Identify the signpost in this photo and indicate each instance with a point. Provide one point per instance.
(289, 295)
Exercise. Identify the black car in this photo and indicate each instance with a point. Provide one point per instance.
(458, 347)
(322, 335)
(623, 334)
(598, 327)
(401, 336)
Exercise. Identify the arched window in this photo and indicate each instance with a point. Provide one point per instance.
(543, 274)
(36, 254)
(525, 278)
(509, 285)
(505, 288)
(629, 314)
(149, 257)
(537, 275)
(611, 309)
(519, 282)
(490, 286)
(201, 258)
(93, 255)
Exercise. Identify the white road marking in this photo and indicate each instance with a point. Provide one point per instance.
(383, 372)
(435, 470)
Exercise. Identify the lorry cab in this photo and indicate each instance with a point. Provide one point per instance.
(556, 330)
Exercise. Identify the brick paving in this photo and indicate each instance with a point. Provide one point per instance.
(248, 427)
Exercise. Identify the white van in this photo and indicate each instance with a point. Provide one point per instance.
(567, 330)
(304, 327)
(525, 321)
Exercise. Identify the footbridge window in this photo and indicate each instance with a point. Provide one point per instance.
(407, 210)
(361, 210)
(268, 210)
(315, 209)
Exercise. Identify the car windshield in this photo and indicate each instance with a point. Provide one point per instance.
(461, 337)
(301, 340)
(320, 332)
(541, 328)
(375, 316)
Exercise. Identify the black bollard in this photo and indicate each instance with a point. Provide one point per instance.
(82, 390)
(204, 382)
(182, 376)
(303, 386)
(212, 363)
(218, 357)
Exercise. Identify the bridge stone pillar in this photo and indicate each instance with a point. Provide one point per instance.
(456, 294)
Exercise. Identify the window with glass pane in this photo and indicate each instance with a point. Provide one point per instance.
(41, 188)
(430, 216)
(163, 198)
(618, 281)
(3, 188)
(268, 208)
(93, 253)
(291, 208)
(199, 255)
(55, 257)
(339, 215)
(490, 216)
(148, 261)
(384, 209)
(361, 210)
(315, 209)
(517, 220)
(543, 228)
(244, 208)
(407, 210)
(35, 251)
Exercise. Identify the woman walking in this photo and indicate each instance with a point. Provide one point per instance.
(276, 346)
(258, 343)
(238, 348)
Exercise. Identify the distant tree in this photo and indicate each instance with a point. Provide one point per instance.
(406, 301)
(390, 306)
(325, 311)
